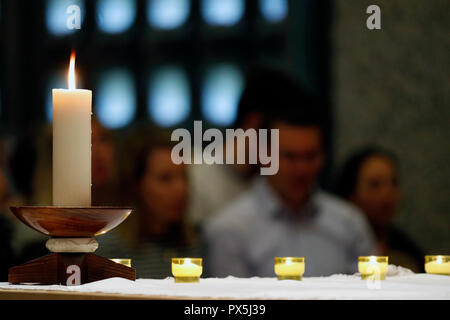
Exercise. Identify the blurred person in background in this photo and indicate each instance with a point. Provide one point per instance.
(287, 214)
(7, 254)
(159, 228)
(31, 170)
(23, 164)
(369, 179)
(214, 186)
(105, 189)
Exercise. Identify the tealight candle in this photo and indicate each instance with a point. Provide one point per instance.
(437, 265)
(289, 268)
(187, 270)
(372, 267)
(125, 262)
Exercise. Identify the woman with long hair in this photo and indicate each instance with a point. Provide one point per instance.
(159, 228)
(369, 179)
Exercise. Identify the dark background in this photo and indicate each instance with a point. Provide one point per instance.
(388, 86)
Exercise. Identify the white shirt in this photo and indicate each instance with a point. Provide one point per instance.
(245, 237)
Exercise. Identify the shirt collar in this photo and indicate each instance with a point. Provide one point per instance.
(272, 205)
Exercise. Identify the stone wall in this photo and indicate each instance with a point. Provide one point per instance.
(392, 87)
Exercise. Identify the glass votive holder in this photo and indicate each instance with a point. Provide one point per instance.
(125, 262)
(187, 270)
(289, 268)
(437, 265)
(373, 267)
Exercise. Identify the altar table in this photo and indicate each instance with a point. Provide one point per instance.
(340, 287)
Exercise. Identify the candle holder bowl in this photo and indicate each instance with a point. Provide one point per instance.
(70, 225)
(75, 222)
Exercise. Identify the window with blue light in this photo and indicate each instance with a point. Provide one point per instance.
(115, 102)
(56, 81)
(57, 16)
(169, 99)
(115, 16)
(222, 12)
(222, 89)
(168, 14)
(274, 10)
(183, 34)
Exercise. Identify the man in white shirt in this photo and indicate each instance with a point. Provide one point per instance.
(286, 214)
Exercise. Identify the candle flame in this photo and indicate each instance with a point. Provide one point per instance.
(71, 74)
(373, 259)
(439, 260)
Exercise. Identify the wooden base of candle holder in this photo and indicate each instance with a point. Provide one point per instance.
(69, 269)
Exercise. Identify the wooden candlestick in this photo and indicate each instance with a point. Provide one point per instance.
(72, 268)
(69, 269)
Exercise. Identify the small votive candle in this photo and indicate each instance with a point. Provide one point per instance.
(289, 268)
(125, 262)
(187, 270)
(437, 265)
(373, 267)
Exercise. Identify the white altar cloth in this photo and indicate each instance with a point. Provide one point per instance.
(342, 287)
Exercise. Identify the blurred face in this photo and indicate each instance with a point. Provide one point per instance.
(301, 159)
(377, 192)
(164, 187)
(253, 120)
(102, 156)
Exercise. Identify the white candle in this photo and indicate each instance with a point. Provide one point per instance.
(72, 110)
